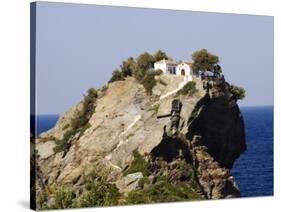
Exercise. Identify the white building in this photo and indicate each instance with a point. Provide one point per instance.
(177, 68)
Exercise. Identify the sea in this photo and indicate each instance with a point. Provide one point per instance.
(253, 171)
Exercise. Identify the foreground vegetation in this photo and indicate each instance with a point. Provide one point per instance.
(96, 191)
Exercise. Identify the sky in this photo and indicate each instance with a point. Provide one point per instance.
(78, 46)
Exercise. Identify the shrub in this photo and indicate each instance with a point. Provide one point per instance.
(188, 89)
(63, 198)
(237, 92)
(104, 88)
(139, 74)
(138, 165)
(128, 67)
(160, 55)
(149, 81)
(84, 128)
(97, 192)
(143, 181)
(145, 61)
(162, 191)
(117, 75)
(63, 145)
(204, 61)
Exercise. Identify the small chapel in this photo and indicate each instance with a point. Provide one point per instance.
(178, 68)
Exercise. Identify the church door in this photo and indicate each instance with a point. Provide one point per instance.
(183, 72)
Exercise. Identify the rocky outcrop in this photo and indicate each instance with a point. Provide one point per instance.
(209, 138)
(220, 124)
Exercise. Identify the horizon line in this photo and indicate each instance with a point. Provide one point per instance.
(241, 106)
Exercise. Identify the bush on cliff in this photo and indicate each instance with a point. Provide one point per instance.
(160, 55)
(98, 191)
(162, 191)
(188, 89)
(237, 92)
(63, 198)
(117, 75)
(137, 67)
(204, 61)
(138, 165)
(128, 67)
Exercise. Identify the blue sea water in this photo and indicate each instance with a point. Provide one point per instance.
(253, 171)
(45, 122)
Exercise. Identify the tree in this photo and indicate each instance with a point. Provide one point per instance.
(145, 61)
(205, 61)
(237, 92)
(116, 76)
(149, 81)
(128, 67)
(160, 55)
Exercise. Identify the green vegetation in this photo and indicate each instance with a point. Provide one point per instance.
(237, 92)
(116, 76)
(188, 89)
(160, 55)
(162, 191)
(80, 123)
(149, 82)
(128, 67)
(63, 197)
(138, 165)
(104, 88)
(143, 181)
(137, 67)
(205, 61)
(98, 191)
(63, 145)
(84, 128)
(145, 61)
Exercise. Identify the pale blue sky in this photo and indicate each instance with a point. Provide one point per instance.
(79, 45)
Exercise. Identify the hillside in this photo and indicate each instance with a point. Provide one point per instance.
(130, 140)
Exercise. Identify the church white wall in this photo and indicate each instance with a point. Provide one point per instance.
(187, 70)
(161, 66)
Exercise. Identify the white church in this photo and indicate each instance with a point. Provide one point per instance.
(177, 68)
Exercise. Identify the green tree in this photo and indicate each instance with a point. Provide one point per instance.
(145, 61)
(117, 75)
(160, 55)
(205, 61)
(237, 92)
(128, 67)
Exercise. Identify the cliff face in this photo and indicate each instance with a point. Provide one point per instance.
(209, 137)
(220, 124)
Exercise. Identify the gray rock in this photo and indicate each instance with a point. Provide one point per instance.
(129, 182)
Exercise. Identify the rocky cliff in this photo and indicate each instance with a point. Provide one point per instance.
(130, 134)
